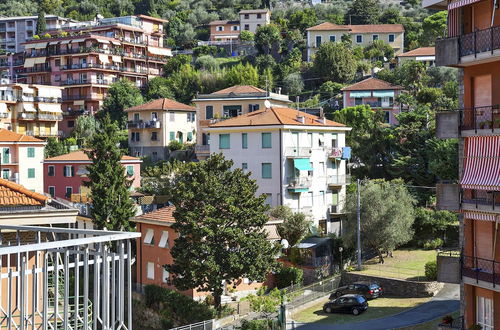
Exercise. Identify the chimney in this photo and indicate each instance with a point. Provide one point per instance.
(301, 119)
(321, 112)
(279, 90)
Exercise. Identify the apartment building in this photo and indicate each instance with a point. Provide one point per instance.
(87, 57)
(360, 35)
(227, 103)
(425, 55)
(252, 19)
(472, 47)
(153, 125)
(225, 31)
(298, 160)
(22, 159)
(64, 175)
(376, 93)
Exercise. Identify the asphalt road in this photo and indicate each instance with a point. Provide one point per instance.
(445, 302)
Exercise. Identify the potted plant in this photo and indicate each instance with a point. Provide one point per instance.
(448, 319)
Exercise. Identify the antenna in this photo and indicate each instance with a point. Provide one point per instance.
(267, 104)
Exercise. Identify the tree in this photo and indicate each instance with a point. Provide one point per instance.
(334, 61)
(363, 12)
(387, 216)
(293, 83)
(121, 95)
(55, 147)
(175, 64)
(247, 36)
(85, 128)
(156, 180)
(434, 27)
(41, 24)
(158, 88)
(268, 38)
(303, 19)
(111, 205)
(242, 75)
(220, 224)
(266, 304)
(184, 83)
(294, 228)
(379, 50)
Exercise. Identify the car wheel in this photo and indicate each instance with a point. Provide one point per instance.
(328, 310)
(355, 311)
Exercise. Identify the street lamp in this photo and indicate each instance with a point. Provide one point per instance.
(341, 264)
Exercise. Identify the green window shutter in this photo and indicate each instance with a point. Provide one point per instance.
(6, 156)
(31, 152)
(31, 173)
(335, 198)
(244, 140)
(190, 136)
(224, 142)
(130, 170)
(266, 140)
(209, 112)
(172, 136)
(267, 171)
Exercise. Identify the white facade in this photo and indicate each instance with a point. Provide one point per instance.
(319, 193)
(251, 20)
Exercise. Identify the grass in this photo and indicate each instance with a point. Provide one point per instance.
(431, 324)
(377, 308)
(405, 264)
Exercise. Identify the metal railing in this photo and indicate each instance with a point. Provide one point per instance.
(480, 198)
(394, 272)
(27, 115)
(481, 269)
(47, 99)
(65, 278)
(203, 325)
(144, 124)
(457, 323)
(479, 41)
(300, 295)
(339, 180)
(299, 182)
(485, 117)
(202, 148)
(35, 69)
(47, 116)
(298, 152)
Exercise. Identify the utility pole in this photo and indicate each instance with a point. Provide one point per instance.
(358, 216)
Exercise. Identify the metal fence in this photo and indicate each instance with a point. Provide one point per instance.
(300, 295)
(394, 272)
(204, 325)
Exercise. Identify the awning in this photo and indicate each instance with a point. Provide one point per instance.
(65, 42)
(53, 43)
(40, 60)
(461, 3)
(29, 62)
(3, 107)
(482, 163)
(29, 107)
(160, 51)
(104, 58)
(103, 41)
(272, 231)
(81, 102)
(39, 45)
(116, 58)
(302, 164)
(481, 216)
(383, 93)
(360, 94)
(75, 41)
(48, 91)
(50, 107)
(114, 42)
(27, 90)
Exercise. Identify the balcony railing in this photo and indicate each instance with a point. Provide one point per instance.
(487, 117)
(481, 200)
(335, 209)
(480, 41)
(480, 269)
(298, 152)
(51, 117)
(301, 182)
(202, 148)
(47, 99)
(27, 115)
(338, 180)
(144, 124)
(90, 66)
(38, 69)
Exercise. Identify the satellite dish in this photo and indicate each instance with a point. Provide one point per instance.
(285, 244)
(267, 104)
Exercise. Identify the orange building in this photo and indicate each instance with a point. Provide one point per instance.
(473, 46)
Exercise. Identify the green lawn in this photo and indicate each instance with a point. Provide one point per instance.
(377, 308)
(431, 324)
(405, 264)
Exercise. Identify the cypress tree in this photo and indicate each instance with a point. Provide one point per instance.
(41, 24)
(111, 205)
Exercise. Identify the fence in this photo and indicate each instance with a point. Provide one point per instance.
(301, 295)
(204, 325)
(394, 272)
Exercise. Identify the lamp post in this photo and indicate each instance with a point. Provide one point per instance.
(358, 216)
(341, 263)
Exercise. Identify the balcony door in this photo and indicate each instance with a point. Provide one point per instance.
(483, 241)
(482, 98)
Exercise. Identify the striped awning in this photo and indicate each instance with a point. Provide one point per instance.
(461, 3)
(481, 216)
(482, 163)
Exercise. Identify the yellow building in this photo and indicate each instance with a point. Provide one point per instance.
(361, 35)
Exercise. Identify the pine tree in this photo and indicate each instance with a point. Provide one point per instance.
(111, 205)
(41, 23)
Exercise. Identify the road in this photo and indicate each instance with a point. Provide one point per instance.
(445, 302)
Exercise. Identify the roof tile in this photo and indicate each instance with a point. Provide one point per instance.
(240, 89)
(164, 214)
(162, 104)
(371, 84)
(80, 155)
(422, 51)
(13, 194)
(362, 28)
(9, 136)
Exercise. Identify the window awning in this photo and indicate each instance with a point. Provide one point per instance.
(48, 107)
(302, 164)
(39, 45)
(482, 163)
(357, 94)
(3, 107)
(80, 102)
(116, 58)
(461, 3)
(160, 51)
(104, 58)
(65, 42)
(27, 90)
(75, 41)
(53, 43)
(29, 62)
(48, 91)
(114, 42)
(103, 41)
(481, 216)
(40, 60)
(383, 93)
(29, 107)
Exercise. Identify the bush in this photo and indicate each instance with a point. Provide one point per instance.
(433, 244)
(205, 50)
(246, 36)
(257, 325)
(431, 270)
(206, 62)
(175, 145)
(288, 275)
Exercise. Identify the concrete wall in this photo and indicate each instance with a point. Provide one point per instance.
(448, 269)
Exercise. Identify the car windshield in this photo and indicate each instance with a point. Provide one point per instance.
(373, 286)
(361, 299)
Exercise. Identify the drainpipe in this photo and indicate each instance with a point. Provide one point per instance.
(281, 166)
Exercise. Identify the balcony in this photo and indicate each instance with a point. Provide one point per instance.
(202, 149)
(470, 121)
(27, 116)
(49, 117)
(78, 66)
(47, 99)
(299, 184)
(38, 69)
(335, 210)
(301, 152)
(338, 180)
(482, 270)
(481, 200)
(334, 152)
(75, 82)
(144, 124)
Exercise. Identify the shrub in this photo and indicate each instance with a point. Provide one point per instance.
(431, 270)
(205, 50)
(246, 36)
(206, 62)
(175, 145)
(288, 275)
(257, 325)
(433, 244)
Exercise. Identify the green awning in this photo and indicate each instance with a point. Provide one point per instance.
(302, 164)
(383, 93)
(360, 94)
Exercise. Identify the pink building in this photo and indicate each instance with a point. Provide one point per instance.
(64, 175)
(376, 93)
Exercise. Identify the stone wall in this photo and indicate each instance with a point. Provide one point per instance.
(394, 287)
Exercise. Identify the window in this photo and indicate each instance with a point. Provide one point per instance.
(220, 28)
(266, 141)
(321, 140)
(334, 140)
(31, 152)
(57, 63)
(164, 240)
(6, 156)
(235, 28)
(259, 15)
(267, 171)
(253, 107)
(130, 170)
(318, 41)
(244, 140)
(137, 117)
(484, 313)
(31, 173)
(69, 191)
(244, 167)
(154, 136)
(190, 136)
(332, 39)
(29, 23)
(51, 171)
(154, 116)
(52, 191)
(209, 112)
(69, 171)
(6, 174)
(392, 37)
(135, 136)
(205, 139)
(269, 199)
(172, 116)
(149, 237)
(311, 172)
(172, 136)
(57, 77)
(247, 16)
(191, 117)
(247, 27)
(359, 38)
(335, 197)
(231, 110)
(150, 271)
(166, 276)
(374, 37)
(310, 139)
(310, 197)
(224, 141)
(71, 123)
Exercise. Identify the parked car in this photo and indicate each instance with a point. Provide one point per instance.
(349, 303)
(367, 289)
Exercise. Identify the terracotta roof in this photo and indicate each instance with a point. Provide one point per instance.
(240, 89)
(274, 116)
(422, 51)
(153, 18)
(162, 104)
(224, 22)
(365, 28)
(13, 194)
(371, 84)
(80, 155)
(164, 214)
(9, 136)
(253, 11)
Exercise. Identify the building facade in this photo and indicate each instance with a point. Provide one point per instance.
(378, 94)
(252, 19)
(360, 35)
(425, 55)
(21, 160)
(153, 125)
(87, 57)
(472, 47)
(226, 31)
(227, 103)
(298, 160)
(64, 175)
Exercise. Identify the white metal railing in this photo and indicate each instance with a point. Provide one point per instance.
(298, 152)
(65, 278)
(299, 182)
(203, 325)
(340, 180)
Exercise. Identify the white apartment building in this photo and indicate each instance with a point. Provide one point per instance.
(252, 19)
(297, 159)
